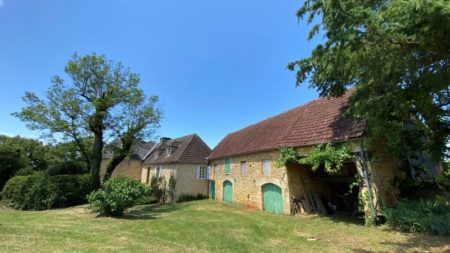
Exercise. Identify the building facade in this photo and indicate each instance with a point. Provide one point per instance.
(182, 158)
(244, 171)
(131, 166)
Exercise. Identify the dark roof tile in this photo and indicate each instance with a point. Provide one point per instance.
(186, 149)
(319, 121)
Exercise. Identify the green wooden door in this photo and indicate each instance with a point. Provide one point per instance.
(272, 198)
(213, 189)
(227, 191)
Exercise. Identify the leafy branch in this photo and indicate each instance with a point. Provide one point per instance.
(332, 156)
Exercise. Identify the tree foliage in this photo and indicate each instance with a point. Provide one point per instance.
(102, 101)
(11, 160)
(288, 156)
(331, 156)
(397, 56)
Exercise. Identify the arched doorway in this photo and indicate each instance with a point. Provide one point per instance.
(272, 198)
(227, 191)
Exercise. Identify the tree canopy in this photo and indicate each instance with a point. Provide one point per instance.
(102, 101)
(396, 57)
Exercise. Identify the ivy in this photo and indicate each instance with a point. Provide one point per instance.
(288, 157)
(332, 156)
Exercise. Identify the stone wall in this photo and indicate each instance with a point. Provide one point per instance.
(384, 168)
(296, 181)
(185, 176)
(128, 167)
(247, 189)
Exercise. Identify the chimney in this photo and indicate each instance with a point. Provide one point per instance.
(163, 140)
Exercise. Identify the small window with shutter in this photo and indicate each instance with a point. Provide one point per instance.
(200, 172)
(208, 172)
(266, 167)
(158, 171)
(216, 169)
(243, 168)
(227, 166)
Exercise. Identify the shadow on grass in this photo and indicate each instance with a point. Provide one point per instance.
(147, 212)
(346, 218)
(416, 243)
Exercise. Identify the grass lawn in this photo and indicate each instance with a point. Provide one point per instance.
(200, 226)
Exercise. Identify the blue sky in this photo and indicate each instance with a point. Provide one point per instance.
(217, 66)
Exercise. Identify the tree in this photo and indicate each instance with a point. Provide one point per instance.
(33, 153)
(99, 94)
(396, 55)
(130, 125)
(11, 160)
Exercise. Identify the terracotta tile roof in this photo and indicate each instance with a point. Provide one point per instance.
(319, 121)
(186, 149)
(137, 152)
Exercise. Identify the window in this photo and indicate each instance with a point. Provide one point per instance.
(158, 171)
(168, 152)
(201, 172)
(243, 168)
(266, 167)
(227, 166)
(216, 169)
(147, 176)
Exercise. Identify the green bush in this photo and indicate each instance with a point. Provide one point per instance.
(71, 189)
(420, 216)
(117, 195)
(40, 191)
(67, 168)
(14, 192)
(155, 191)
(25, 172)
(188, 197)
(443, 180)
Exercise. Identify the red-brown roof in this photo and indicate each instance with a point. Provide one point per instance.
(319, 121)
(187, 149)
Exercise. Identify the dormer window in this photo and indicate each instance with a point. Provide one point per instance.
(168, 151)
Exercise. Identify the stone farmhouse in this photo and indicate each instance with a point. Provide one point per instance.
(243, 163)
(184, 158)
(131, 166)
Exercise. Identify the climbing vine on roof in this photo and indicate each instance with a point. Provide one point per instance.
(332, 156)
(288, 156)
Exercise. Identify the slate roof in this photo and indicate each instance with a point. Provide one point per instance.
(186, 149)
(319, 121)
(138, 150)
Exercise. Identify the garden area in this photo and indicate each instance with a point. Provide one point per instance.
(199, 226)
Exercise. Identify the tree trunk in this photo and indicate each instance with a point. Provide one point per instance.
(96, 160)
(112, 165)
(124, 151)
(364, 174)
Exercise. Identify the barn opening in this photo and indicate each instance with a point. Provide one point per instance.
(321, 192)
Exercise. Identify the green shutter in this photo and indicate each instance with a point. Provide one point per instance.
(213, 189)
(272, 198)
(227, 166)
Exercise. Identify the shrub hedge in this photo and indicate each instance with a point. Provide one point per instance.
(420, 216)
(118, 194)
(187, 197)
(40, 191)
(67, 168)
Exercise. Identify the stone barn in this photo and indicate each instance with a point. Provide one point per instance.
(243, 163)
